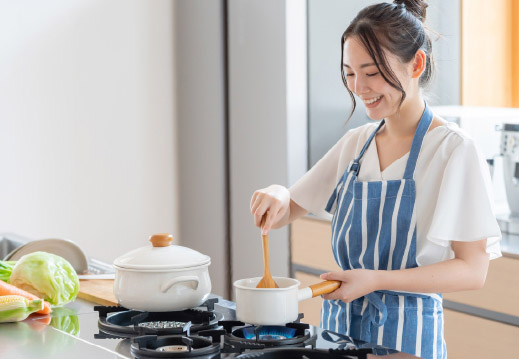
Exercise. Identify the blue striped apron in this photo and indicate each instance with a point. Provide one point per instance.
(374, 227)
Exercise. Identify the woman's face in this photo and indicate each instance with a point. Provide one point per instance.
(364, 80)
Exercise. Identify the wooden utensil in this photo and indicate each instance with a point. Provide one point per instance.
(325, 287)
(267, 281)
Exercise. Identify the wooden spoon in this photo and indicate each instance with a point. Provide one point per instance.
(267, 281)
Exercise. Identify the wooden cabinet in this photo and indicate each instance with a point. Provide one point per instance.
(490, 53)
(311, 244)
(501, 290)
(467, 336)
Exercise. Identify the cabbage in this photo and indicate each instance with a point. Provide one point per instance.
(46, 275)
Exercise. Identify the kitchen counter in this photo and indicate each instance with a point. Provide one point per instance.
(69, 333)
(510, 246)
(66, 336)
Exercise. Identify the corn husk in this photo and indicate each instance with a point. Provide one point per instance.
(14, 308)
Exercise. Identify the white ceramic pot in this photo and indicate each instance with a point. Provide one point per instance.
(274, 306)
(162, 277)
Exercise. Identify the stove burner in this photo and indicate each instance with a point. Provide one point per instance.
(174, 346)
(162, 324)
(119, 322)
(239, 337)
(296, 353)
(268, 333)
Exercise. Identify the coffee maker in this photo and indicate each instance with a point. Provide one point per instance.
(509, 223)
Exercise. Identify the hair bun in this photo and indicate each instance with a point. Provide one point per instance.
(417, 7)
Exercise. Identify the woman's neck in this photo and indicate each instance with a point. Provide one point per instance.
(403, 124)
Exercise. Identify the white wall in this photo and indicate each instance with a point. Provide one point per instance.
(87, 116)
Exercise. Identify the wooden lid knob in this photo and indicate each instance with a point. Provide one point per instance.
(161, 239)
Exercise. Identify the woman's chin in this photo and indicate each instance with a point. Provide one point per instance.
(375, 115)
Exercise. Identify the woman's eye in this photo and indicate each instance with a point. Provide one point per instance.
(347, 75)
(373, 74)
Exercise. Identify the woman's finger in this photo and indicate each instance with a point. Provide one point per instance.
(333, 295)
(334, 276)
(253, 200)
(256, 204)
(263, 206)
(271, 215)
(261, 210)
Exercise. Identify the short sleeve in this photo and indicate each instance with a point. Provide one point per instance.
(313, 190)
(464, 209)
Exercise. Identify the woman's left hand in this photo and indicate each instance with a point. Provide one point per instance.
(355, 284)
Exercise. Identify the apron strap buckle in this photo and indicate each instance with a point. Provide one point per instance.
(353, 165)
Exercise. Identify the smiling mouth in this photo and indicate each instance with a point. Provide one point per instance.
(372, 100)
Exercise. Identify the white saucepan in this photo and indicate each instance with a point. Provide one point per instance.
(275, 306)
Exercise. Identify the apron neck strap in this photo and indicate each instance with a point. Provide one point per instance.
(421, 130)
(423, 126)
(355, 164)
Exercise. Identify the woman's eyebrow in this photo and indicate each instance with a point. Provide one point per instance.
(361, 66)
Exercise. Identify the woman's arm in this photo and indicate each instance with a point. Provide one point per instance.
(294, 212)
(467, 271)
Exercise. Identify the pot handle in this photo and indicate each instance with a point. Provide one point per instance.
(320, 288)
(188, 278)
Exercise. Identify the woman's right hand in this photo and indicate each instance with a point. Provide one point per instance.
(273, 201)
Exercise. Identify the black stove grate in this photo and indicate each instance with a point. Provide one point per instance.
(239, 336)
(174, 346)
(301, 353)
(120, 322)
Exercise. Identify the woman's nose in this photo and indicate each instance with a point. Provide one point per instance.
(360, 86)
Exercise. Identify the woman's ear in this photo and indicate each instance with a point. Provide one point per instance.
(419, 62)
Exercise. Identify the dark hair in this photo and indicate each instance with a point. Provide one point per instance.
(397, 27)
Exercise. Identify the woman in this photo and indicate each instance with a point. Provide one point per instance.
(412, 210)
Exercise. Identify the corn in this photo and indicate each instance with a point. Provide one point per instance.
(14, 308)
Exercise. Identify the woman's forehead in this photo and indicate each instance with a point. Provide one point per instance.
(355, 54)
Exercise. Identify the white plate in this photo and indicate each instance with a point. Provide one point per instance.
(62, 247)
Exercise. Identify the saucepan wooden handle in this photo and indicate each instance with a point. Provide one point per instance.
(325, 287)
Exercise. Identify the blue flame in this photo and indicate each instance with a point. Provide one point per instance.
(269, 333)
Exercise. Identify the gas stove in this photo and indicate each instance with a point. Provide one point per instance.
(212, 331)
(120, 322)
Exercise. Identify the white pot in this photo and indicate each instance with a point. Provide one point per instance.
(162, 277)
(274, 306)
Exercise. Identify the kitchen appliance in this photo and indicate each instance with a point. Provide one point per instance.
(162, 277)
(120, 322)
(227, 338)
(509, 223)
(295, 333)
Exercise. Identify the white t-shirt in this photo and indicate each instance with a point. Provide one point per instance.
(453, 188)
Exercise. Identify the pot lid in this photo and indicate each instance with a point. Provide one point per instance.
(161, 255)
